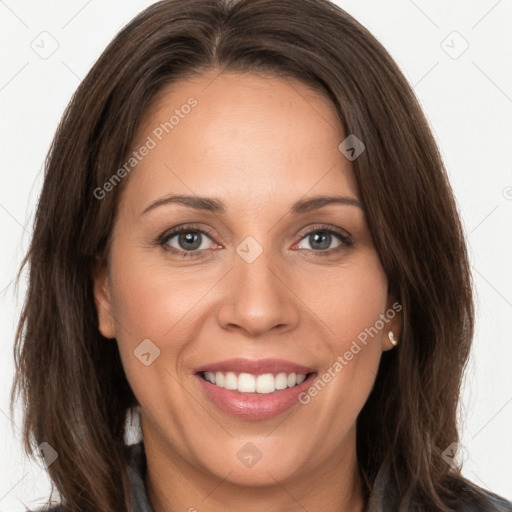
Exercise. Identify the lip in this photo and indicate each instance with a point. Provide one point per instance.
(255, 367)
(254, 406)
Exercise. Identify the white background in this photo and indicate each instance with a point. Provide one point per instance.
(468, 101)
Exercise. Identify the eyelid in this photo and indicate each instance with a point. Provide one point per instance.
(324, 227)
(344, 236)
(171, 233)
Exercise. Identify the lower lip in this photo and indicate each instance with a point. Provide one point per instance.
(255, 406)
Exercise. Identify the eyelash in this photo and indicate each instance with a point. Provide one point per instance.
(163, 241)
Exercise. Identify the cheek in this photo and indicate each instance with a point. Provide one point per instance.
(350, 306)
(152, 307)
(350, 298)
(152, 301)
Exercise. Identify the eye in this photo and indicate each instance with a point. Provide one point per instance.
(192, 242)
(186, 241)
(321, 240)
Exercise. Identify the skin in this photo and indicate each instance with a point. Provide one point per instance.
(258, 144)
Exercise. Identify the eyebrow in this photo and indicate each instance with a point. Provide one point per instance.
(213, 205)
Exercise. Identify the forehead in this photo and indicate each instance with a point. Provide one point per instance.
(247, 137)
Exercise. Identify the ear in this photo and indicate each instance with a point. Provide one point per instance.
(102, 300)
(394, 315)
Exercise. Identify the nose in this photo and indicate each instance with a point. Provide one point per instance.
(256, 298)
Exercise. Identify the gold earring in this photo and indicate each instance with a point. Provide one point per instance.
(392, 339)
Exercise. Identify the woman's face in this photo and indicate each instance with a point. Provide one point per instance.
(261, 271)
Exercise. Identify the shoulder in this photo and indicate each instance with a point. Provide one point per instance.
(458, 495)
(477, 499)
(466, 496)
(135, 458)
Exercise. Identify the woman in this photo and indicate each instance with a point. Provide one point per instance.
(175, 271)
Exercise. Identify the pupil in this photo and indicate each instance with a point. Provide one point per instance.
(322, 238)
(188, 238)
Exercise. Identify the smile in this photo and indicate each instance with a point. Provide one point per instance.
(254, 397)
(249, 383)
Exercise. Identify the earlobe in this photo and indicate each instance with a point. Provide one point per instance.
(393, 329)
(102, 300)
(392, 339)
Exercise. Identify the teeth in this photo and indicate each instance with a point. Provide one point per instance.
(247, 383)
(300, 378)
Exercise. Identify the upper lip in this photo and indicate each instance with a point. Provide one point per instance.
(255, 366)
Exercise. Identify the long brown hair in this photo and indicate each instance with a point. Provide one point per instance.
(71, 379)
